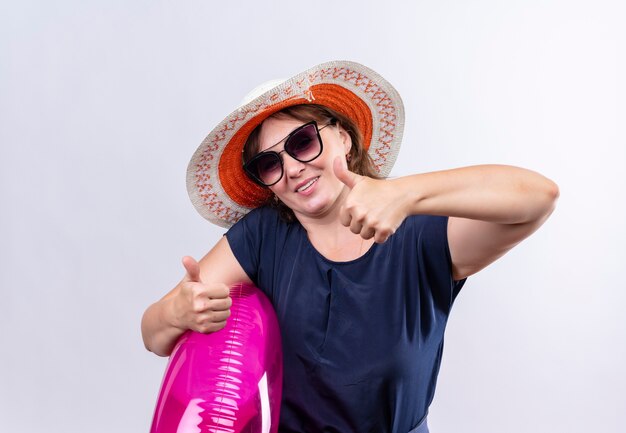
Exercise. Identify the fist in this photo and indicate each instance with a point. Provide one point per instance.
(198, 306)
(373, 208)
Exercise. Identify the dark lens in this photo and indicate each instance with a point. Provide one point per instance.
(304, 145)
(267, 167)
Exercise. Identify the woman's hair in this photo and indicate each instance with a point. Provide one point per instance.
(359, 161)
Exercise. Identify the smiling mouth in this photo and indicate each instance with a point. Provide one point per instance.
(307, 185)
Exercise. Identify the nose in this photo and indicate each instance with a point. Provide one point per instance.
(292, 166)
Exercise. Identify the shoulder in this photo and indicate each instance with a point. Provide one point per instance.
(260, 213)
(261, 216)
(434, 253)
(420, 237)
(253, 240)
(429, 235)
(263, 223)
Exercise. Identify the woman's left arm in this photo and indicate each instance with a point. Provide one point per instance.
(491, 208)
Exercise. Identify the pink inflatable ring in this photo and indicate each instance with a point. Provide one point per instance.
(229, 381)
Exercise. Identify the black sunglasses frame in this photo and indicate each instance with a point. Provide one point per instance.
(248, 165)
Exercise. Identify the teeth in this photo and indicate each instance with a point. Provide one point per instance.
(308, 184)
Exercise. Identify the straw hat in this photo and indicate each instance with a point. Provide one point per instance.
(216, 182)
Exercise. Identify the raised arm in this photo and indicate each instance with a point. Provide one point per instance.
(491, 208)
(199, 302)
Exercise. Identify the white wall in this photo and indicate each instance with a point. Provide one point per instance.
(103, 103)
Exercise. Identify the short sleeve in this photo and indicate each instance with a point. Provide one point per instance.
(435, 259)
(254, 240)
(244, 239)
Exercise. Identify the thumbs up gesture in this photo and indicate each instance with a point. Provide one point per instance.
(374, 208)
(198, 306)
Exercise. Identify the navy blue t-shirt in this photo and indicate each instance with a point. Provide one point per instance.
(362, 340)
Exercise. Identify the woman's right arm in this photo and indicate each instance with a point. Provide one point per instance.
(199, 302)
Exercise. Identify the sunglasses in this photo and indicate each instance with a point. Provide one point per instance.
(303, 144)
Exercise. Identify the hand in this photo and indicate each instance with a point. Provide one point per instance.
(373, 208)
(198, 306)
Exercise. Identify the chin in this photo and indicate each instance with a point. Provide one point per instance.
(318, 206)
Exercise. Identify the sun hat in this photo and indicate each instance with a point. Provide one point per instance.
(217, 185)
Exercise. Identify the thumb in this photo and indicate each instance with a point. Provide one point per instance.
(343, 174)
(192, 267)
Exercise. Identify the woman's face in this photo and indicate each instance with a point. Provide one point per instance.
(310, 189)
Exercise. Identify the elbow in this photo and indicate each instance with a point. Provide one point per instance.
(153, 344)
(163, 352)
(541, 199)
(147, 345)
(148, 338)
(550, 195)
(553, 194)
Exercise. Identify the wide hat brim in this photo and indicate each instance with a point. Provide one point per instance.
(219, 188)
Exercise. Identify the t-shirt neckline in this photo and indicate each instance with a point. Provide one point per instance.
(310, 245)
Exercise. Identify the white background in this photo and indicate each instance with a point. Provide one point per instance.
(103, 103)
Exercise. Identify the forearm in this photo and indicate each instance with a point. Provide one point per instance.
(493, 193)
(159, 333)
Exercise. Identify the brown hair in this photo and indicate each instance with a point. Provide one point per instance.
(359, 161)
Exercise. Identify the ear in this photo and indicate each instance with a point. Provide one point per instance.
(345, 139)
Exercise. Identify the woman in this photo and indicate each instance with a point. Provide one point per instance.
(362, 270)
